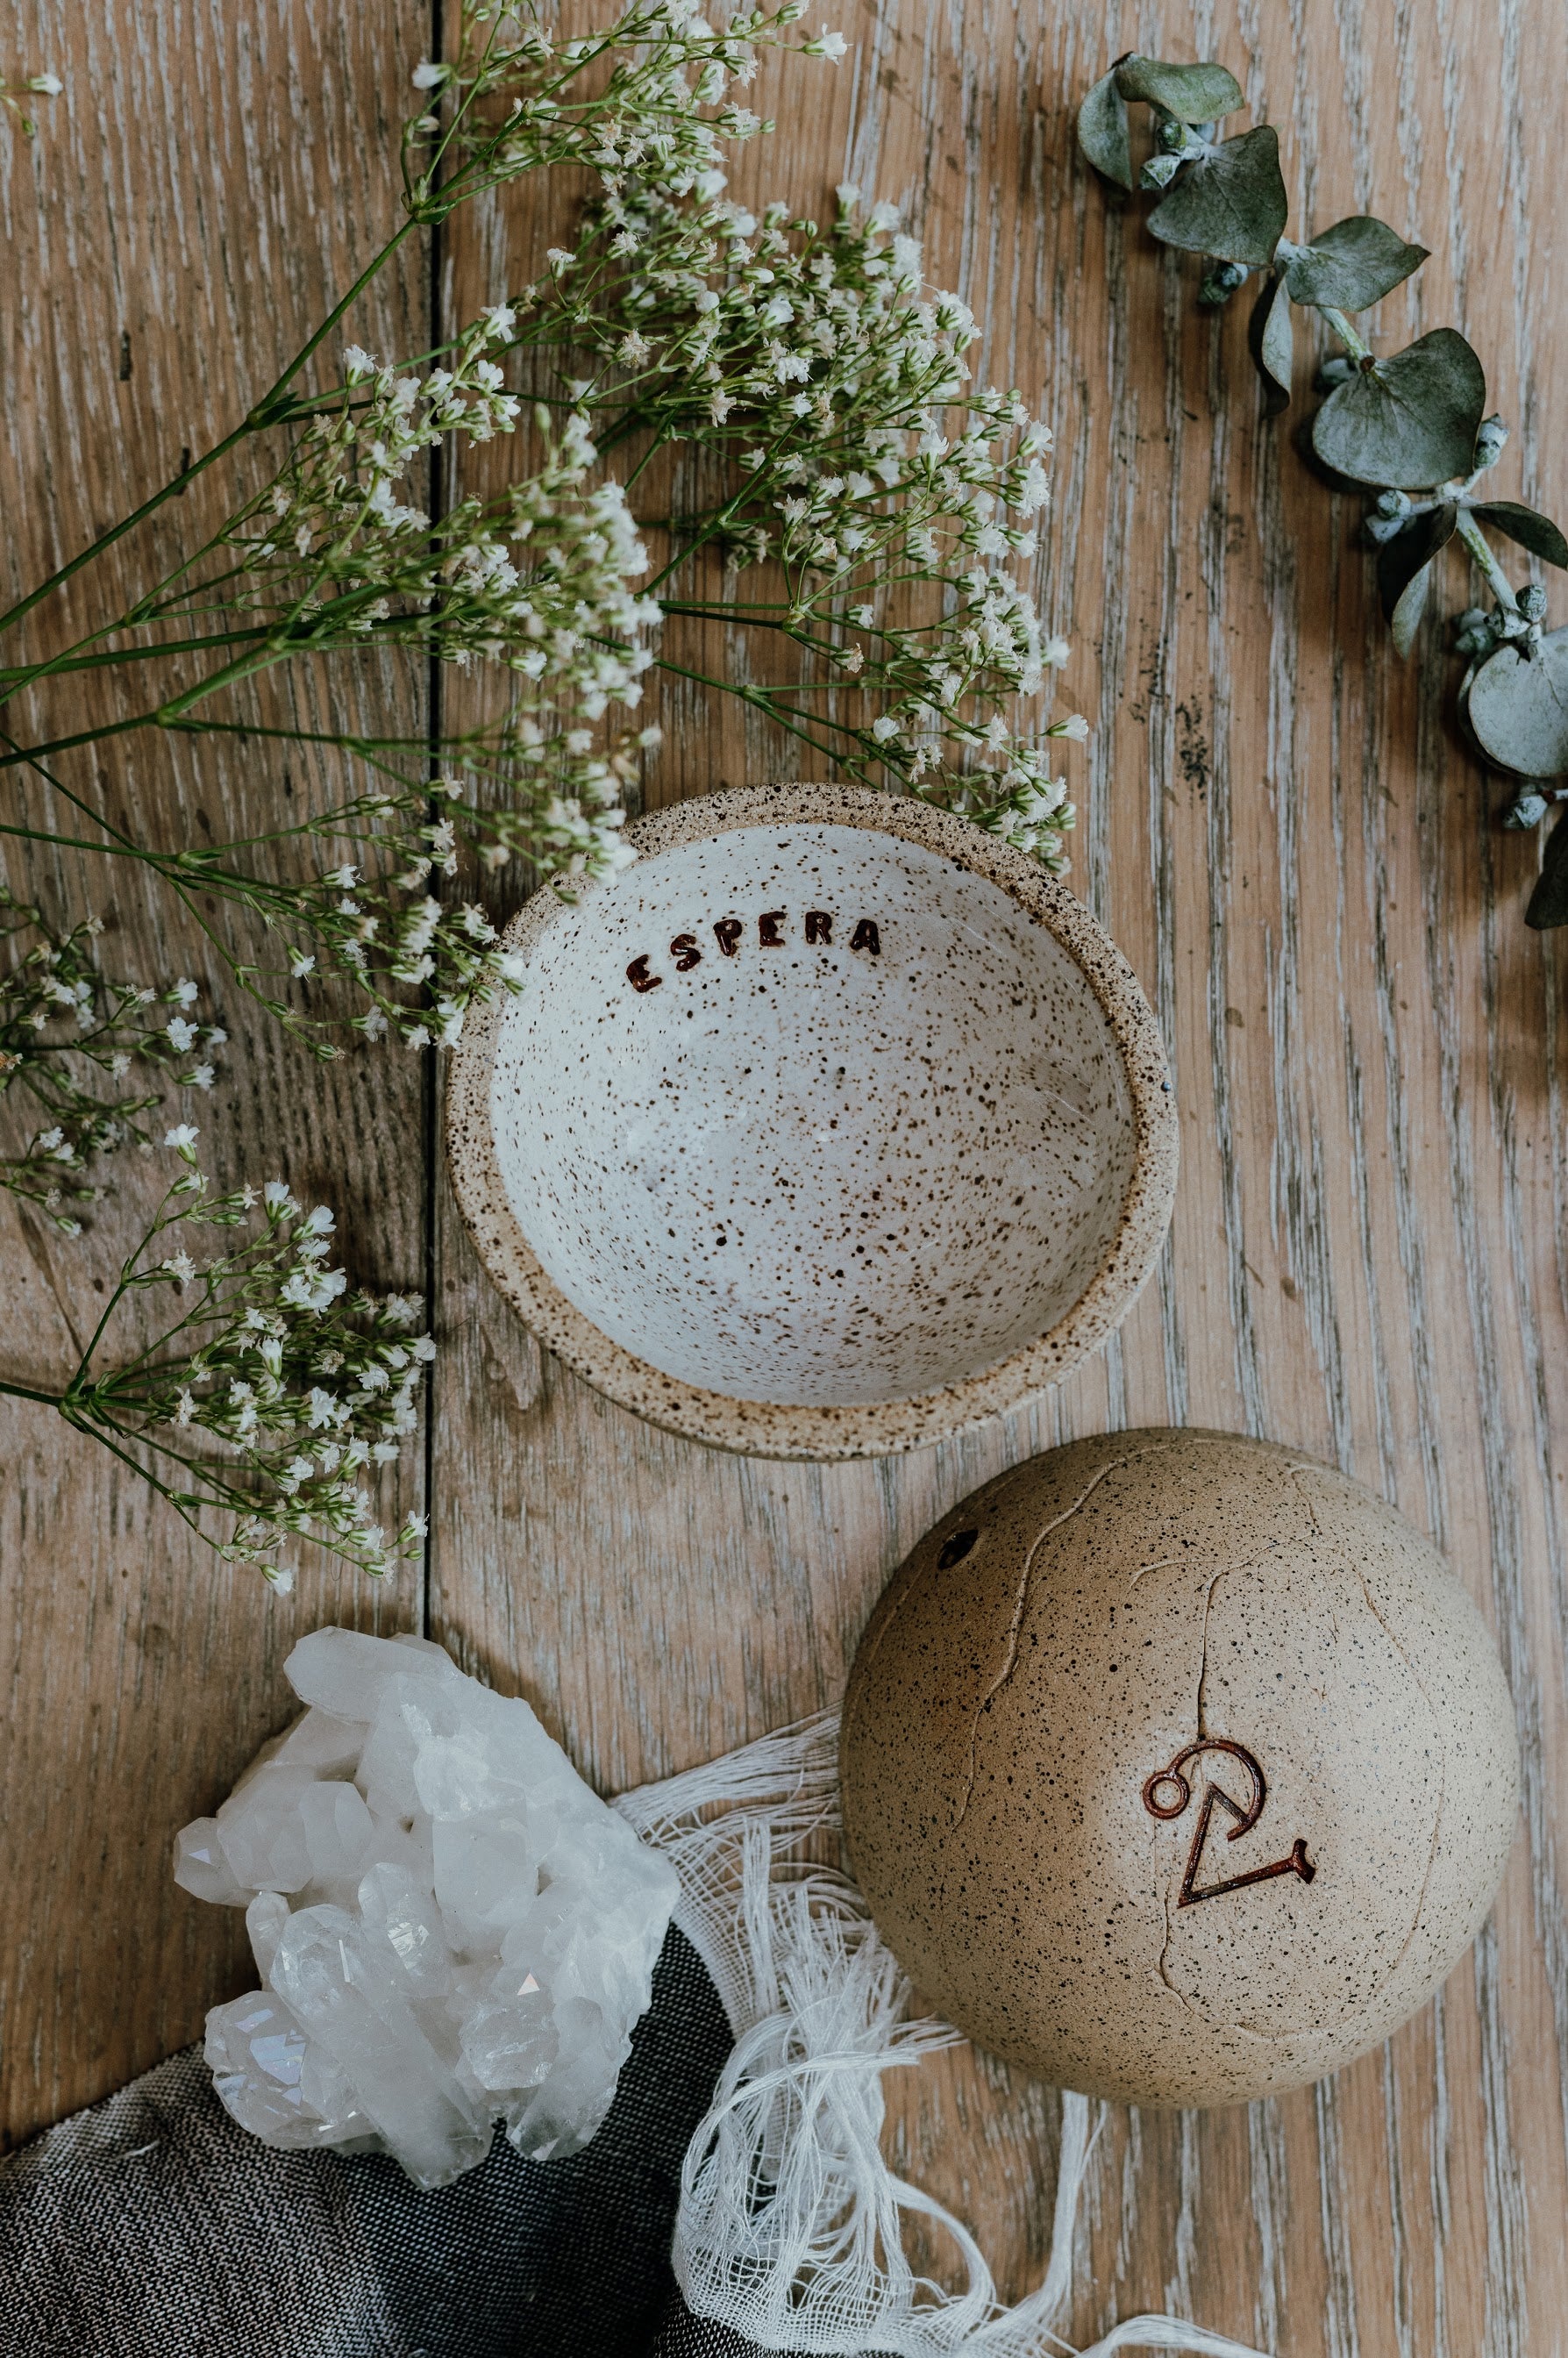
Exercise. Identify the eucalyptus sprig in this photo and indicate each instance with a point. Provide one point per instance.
(1410, 426)
(271, 1392)
(84, 1052)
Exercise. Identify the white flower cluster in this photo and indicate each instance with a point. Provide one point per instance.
(13, 95)
(540, 579)
(65, 1029)
(884, 515)
(418, 962)
(519, 101)
(276, 1391)
(897, 506)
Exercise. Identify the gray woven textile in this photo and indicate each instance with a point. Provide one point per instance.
(151, 2226)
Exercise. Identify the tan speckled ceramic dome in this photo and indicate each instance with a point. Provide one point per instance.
(830, 1126)
(1177, 1768)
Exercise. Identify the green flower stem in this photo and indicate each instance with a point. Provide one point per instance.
(70, 842)
(1358, 349)
(230, 675)
(1466, 529)
(270, 411)
(28, 1392)
(181, 1501)
(761, 698)
(77, 1382)
(176, 484)
(14, 678)
(34, 753)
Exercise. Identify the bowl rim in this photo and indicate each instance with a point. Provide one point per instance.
(798, 1430)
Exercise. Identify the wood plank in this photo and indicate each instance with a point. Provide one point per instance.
(190, 205)
(1281, 832)
(1367, 1261)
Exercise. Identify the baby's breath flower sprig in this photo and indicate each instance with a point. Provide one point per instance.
(376, 921)
(650, 87)
(271, 1393)
(334, 556)
(416, 961)
(889, 506)
(14, 97)
(894, 501)
(67, 1029)
(517, 98)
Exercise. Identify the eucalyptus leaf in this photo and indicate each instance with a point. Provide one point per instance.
(1518, 709)
(1102, 131)
(1272, 345)
(1352, 265)
(1192, 93)
(1409, 608)
(1536, 533)
(1409, 421)
(1404, 571)
(1232, 204)
(1549, 902)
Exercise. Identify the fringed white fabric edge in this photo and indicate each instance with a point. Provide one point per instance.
(789, 2225)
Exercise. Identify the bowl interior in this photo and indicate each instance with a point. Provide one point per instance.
(808, 1113)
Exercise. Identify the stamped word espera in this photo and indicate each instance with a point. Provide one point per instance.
(686, 951)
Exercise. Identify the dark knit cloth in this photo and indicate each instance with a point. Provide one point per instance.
(152, 2226)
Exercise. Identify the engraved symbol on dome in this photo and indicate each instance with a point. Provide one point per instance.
(1167, 1793)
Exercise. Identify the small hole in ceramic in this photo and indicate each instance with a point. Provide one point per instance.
(956, 1548)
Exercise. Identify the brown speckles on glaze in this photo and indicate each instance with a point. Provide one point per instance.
(1127, 1599)
(885, 1278)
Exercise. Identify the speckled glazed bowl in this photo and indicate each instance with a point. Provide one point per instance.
(829, 1127)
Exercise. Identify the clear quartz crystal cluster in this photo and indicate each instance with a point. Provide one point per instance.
(450, 1925)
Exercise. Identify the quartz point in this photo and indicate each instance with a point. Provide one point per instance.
(450, 1927)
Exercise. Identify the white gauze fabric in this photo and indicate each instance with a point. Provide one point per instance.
(789, 2225)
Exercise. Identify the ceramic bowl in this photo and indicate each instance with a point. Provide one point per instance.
(829, 1127)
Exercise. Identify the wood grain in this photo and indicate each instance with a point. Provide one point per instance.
(186, 212)
(1370, 1256)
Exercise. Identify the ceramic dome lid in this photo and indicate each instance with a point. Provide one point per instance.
(1177, 1768)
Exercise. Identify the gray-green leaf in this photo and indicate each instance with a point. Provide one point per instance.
(1404, 571)
(1518, 708)
(1192, 93)
(1273, 346)
(1536, 533)
(1409, 608)
(1232, 204)
(1549, 902)
(1102, 131)
(1352, 265)
(1409, 421)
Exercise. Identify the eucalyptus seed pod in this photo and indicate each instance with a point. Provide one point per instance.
(1490, 436)
(1527, 808)
(1220, 283)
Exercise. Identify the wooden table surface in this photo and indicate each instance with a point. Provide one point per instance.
(1369, 1256)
